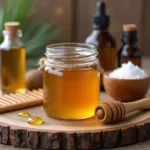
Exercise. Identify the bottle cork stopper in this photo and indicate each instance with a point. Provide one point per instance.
(12, 28)
(129, 27)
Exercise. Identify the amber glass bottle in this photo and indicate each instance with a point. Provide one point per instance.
(129, 50)
(102, 39)
(12, 60)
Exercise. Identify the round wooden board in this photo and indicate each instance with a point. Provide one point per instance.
(81, 134)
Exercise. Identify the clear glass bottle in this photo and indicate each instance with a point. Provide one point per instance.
(103, 40)
(13, 59)
(71, 81)
(129, 50)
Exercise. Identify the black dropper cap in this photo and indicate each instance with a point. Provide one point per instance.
(100, 19)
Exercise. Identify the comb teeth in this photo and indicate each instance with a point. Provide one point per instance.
(17, 101)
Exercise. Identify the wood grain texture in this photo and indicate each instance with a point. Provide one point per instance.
(75, 18)
(146, 27)
(59, 12)
(139, 146)
(83, 134)
(17, 101)
(120, 12)
(138, 134)
(87, 134)
(121, 89)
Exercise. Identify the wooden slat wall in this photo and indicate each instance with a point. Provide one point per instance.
(146, 28)
(60, 12)
(74, 17)
(121, 12)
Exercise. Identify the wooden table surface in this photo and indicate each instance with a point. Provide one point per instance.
(138, 146)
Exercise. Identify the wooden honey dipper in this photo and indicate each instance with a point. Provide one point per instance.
(113, 111)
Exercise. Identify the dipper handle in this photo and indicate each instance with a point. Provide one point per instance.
(113, 111)
(142, 104)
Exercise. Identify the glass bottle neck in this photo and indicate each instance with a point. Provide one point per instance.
(130, 38)
(101, 30)
(129, 41)
(8, 38)
(10, 41)
(12, 35)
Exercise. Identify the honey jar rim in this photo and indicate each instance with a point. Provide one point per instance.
(71, 52)
(70, 56)
(59, 45)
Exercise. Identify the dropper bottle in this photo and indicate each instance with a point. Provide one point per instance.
(102, 39)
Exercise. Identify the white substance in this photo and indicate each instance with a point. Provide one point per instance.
(128, 71)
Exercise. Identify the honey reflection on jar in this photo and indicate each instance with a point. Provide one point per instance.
(71, 93)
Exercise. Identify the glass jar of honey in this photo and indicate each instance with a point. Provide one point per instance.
(71, 80)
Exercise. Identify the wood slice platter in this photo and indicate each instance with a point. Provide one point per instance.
(81, 134)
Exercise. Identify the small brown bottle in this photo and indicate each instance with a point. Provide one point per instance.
(102, 39)
(129, 50)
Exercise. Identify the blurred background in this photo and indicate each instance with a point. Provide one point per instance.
(49, 21)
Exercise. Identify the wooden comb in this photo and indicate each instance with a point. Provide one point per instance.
(113, 111)
(11, 102)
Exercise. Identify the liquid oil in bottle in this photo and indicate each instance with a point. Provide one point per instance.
(13, 63)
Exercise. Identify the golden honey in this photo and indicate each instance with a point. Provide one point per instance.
(73, 95)
(35, 120)
(13, 70)
(24, 114)
(71, 90)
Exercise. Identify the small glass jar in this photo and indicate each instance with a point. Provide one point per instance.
(71, 81)
(12, 60)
